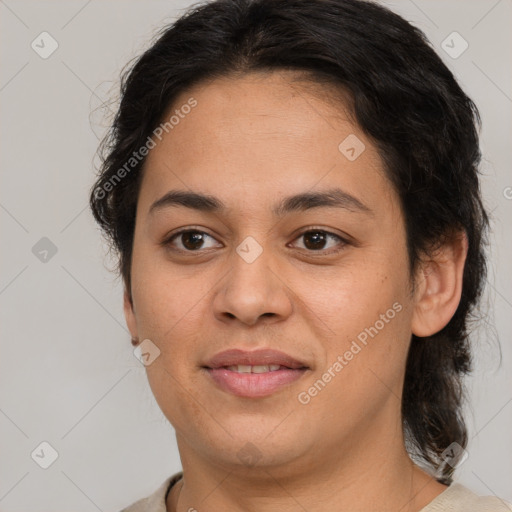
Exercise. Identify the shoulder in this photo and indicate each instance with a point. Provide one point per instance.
(458, 498)
(155, 502)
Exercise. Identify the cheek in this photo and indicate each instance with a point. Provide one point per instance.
(363, 373)
(369, 313)
(168, 302)
(357, 295)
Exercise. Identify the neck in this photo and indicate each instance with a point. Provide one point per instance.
(369, 469)
(366, 475)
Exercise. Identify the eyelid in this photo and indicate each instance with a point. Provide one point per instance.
(195, 229)
(344, 240)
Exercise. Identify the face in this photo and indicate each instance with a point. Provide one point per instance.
(322, 279)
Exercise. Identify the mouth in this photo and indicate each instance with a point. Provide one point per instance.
(260, 368)
(254, 374)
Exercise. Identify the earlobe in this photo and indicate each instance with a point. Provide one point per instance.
(129, 314)
(439, 286)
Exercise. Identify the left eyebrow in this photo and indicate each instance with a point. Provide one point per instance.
(335, 197)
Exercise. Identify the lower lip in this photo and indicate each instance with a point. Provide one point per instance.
(254, 385)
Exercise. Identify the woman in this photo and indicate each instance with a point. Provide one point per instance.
(292, 189)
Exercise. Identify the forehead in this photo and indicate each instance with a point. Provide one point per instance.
(261, 135)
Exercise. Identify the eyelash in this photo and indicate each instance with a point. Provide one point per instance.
(167, 242)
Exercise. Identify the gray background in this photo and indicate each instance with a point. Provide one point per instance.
(68, 375)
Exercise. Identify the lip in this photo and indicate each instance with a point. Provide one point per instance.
(254, 385)
(235, 357)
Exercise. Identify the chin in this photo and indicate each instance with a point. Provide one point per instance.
(255, 447)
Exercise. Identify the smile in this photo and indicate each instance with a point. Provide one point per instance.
(261, 368)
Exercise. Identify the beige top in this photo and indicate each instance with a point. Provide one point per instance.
(455, 498)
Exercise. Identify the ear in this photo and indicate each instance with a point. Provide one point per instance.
(439, 286)
(129, 314)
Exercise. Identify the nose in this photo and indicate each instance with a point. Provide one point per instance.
(252, 290)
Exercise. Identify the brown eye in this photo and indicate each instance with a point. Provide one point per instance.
(190, 240)
(317, 240)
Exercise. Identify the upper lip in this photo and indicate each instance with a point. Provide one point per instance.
(259, 357)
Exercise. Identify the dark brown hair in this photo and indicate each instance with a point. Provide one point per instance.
(403, 97)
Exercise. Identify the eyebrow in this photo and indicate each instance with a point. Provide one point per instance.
(335, 197)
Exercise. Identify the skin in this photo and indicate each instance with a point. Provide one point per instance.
(251, 141)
